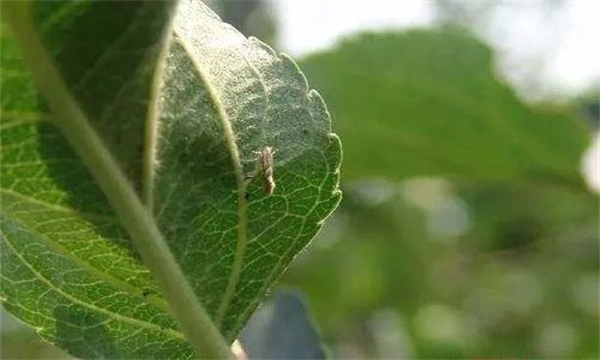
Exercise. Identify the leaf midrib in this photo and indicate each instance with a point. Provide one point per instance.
(192, 317)
(238, 171)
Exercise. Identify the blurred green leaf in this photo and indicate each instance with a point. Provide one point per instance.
(428, 103)
(183, 124)
(527, 260)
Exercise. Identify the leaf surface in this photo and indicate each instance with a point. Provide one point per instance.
(182, 114)
(248, 98)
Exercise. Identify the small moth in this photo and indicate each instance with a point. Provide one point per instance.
(265, 163)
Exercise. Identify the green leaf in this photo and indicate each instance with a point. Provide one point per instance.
(183, 124)
(225, 98)
(428, 103)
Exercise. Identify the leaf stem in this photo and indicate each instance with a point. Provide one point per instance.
(135, 217)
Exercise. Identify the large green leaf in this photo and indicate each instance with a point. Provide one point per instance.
(183, 115)
(428, 103)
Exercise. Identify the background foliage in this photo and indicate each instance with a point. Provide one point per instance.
(466, 229)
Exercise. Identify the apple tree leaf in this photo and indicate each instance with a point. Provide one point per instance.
(182, 101)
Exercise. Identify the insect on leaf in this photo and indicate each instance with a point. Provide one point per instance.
(181, 100)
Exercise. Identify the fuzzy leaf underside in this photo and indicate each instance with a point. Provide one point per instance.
(182, 114)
